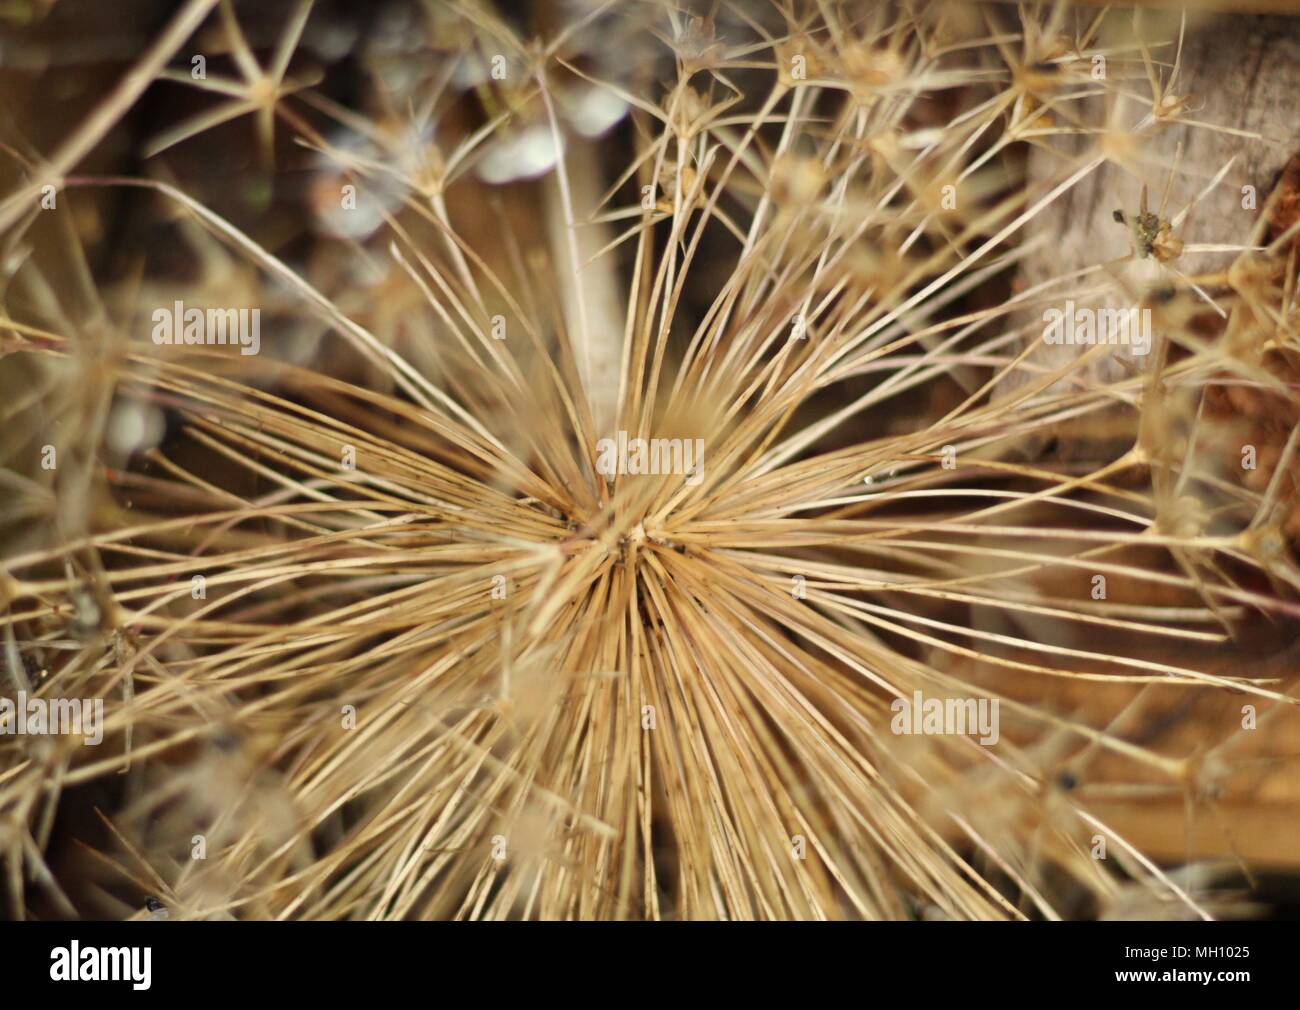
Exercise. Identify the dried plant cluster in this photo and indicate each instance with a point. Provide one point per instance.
(375, 638)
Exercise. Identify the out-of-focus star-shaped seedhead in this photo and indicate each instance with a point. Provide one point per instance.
(258, 91)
